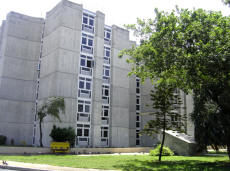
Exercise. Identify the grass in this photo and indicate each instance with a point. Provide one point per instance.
(128, 162)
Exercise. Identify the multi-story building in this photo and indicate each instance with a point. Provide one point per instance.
(73, 54)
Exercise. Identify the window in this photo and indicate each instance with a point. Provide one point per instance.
(85, 87)
(88, 23)
(83, 134)
(105, 111)
(138, 90)
(106, 55)
(106, 71)
(86, 65)
(84, 106)
(107, 36)
(87, 43)
(105, 94)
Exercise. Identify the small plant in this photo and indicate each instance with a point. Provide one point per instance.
(63, 134)
(166, 151)
(2, 140)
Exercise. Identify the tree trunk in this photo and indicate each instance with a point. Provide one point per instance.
(163, 139)
(40, 127)
(228, 150)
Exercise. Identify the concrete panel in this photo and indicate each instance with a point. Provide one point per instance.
(98, 68)
(51, 42)
(119, 62)
(53, 21)
(96, 135)
(16, 112)
(147, 141)
(72, 17)
(132, 137)
(120, 137)
(146, 87)
(96, 113)
(120, 117)
(49, 63)
(47, 86)
(189, 110)
(99, 24)
(120, 38)
(68, 61)
(146, 103)
(97, 90)
(20, 134)
(98, 47)
(19, 69)
(66, 85)
(20, 48)
(25, 29)
(69, 39)
(120, 97)
(120, 77)
(17, 89)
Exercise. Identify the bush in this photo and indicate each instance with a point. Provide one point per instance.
(156, 152)
(63, 134)
(2, 140)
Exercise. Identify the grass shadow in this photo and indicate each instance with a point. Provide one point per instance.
(195, 165)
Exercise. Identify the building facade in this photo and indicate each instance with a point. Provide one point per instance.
(71, 54)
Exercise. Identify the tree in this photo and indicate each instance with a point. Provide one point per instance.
(226, 2)
(50, 107)
(166, 115)
(189, 49)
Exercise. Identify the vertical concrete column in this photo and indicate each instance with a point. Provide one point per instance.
(97, 79)
(60, 62)
(189, 110)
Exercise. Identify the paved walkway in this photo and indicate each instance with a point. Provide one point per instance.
(39, 167)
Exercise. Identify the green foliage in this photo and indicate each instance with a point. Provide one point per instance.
(156, 151)
(190, 50)
(165, 111)
(2, 140)
(226, 2)
(63, 134)
(51, 107)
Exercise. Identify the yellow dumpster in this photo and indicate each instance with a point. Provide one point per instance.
(60, 147)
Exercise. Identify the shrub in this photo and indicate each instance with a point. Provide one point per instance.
(63, 134)
(166, 151)
(2, 140)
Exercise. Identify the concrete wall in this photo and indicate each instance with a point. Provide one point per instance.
(120, 123)
(59, 66)
(20, 48)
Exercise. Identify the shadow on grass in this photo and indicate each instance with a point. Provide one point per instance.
(194, 165)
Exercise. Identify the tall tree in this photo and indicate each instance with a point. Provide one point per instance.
(166, 114)
(51, 107)
(189, 49)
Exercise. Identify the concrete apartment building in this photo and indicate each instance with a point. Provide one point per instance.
(73, 54)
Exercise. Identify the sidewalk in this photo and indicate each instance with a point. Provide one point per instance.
(39, 167)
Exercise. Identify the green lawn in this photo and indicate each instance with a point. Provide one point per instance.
(128, 162)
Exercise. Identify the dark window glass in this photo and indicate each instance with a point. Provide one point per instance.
(137, 90)
(81, 84)
(138, 101)
(89, 64)
(79, 132)
(107, 72)
(107, 92)
(137, 124)
(82, 62)
(137, 142)
(108, 35)
(137, 107)
(107, 53)
(106, 113)
(138, 118)
(85, 20)
(80, 108)
(90, 42)
(86, 132)
(88, 86)
(87, 108)
(137, 135)
(91, 22)
(106, 134)
(83, 40)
